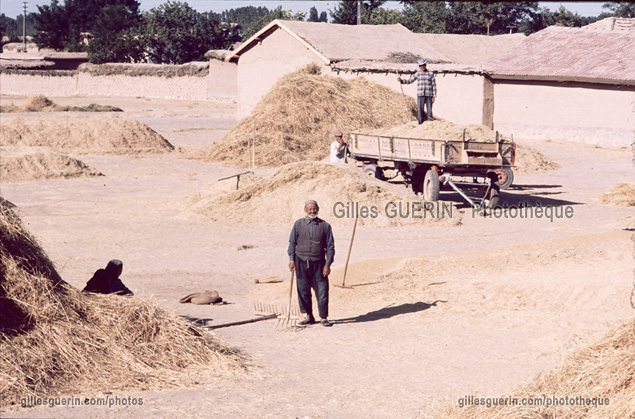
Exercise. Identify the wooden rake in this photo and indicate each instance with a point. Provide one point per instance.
(287, 317)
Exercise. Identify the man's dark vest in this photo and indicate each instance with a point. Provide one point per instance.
(307, 248)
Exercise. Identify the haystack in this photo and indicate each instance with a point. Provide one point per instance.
(528, 159)
(296, 120)
(622, 194)
(280, 198)
(56, 340)
(40, 103)
(439, 129)
(600, 372)
(83, 135)
(19, 164)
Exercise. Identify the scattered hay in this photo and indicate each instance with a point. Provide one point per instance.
(622, 194)
(193, 69)
(603, 371)
(296, 120)
(83, 135)
(55, 340)
(530, 160)
(280, 198)
(40, 103)
(439, 129)
(20, 164)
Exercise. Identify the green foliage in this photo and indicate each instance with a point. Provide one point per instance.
(61, 27)
(314, 17)
(381, 16)
(277, 13)
(51, 24)
(346, 11)
(177, 34)
(467, 17)
(426, 17)
(117, 36)
(561, 17)
(244, 16)
(620, 8)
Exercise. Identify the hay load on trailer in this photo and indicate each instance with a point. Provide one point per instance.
(436, 154)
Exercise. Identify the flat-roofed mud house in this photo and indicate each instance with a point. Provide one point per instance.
(377, 52)
(569, 84)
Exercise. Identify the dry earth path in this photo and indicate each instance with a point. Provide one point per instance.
(503, 299)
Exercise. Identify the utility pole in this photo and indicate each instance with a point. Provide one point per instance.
(24, 26)
(359, 12)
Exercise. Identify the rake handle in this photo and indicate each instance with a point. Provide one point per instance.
(350, 247)
(290, 295)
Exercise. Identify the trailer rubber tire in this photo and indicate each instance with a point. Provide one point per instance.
(494, 198)
(431, 186)
(508, 175)
(372, 170)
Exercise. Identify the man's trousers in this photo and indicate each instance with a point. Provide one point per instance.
(309, 275)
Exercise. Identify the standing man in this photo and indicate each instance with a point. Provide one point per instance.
(426, 90)
(338, 149)
(311, 252)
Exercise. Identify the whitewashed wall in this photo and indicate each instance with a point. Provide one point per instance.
(589, 114)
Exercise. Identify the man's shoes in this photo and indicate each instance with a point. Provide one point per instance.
(306, 321)
(326, 323)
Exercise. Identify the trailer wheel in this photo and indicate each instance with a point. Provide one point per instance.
(431, 186)
(494, 197)
(372, 170)
(505, 177)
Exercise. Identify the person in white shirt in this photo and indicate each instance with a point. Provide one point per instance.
(338, 149)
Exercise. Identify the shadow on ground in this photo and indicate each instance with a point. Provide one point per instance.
(388, 312)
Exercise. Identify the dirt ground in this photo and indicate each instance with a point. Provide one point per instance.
(439, 312)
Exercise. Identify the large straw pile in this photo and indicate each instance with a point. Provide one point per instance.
(622, 194)
(40, 103)
(604, 370)
(20, 164)
(280, 198)
(54, 339)
(83, 135)
(295, 121)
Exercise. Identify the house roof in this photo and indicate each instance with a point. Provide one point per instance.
(471, 49)
(334, 42)
(589, 54)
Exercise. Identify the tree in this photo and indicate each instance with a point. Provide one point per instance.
(381, 16)
(314, 17)
(244, 16)
(620, 8)
(425, 17)
(117, 37)
(346, 11)
(61, 27)
(473, 17)
(176, 33)
(277, 13)
(51, 24)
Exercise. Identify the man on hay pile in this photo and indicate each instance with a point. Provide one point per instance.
(311, 252)
(426, 90)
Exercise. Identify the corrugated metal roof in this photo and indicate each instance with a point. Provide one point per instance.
(570, 54)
